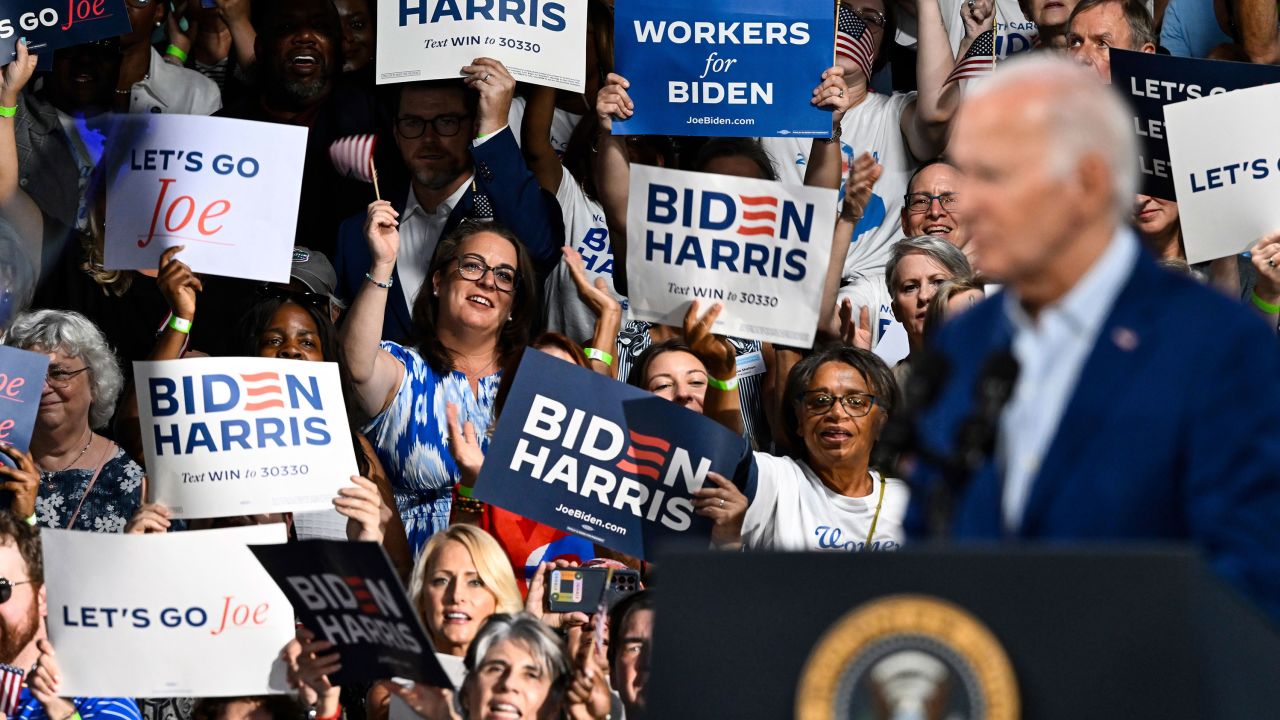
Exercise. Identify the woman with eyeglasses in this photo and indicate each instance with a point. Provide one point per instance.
(470, 318)
(73, 478)
(826, 495)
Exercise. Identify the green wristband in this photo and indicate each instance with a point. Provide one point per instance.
(602, 356)
(1264, 306)
(725, 385)
(8, 111)
(464, 491)
(177, 52)
(178, 324)
(30, 519)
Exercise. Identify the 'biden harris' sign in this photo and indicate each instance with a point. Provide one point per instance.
(539, 41)
(759, 248)
(741, 68)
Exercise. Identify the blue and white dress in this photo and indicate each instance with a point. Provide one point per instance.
(412, 439)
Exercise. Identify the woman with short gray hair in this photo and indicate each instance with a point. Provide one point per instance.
(72, 478)
(917, 267)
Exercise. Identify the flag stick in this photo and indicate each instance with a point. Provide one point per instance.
(373, 172)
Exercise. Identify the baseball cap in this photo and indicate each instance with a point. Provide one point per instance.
(313, 269)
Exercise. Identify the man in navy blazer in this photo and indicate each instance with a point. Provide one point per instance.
(464, 163)
(1145, 405)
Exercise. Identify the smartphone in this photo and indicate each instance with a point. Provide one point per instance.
(582, 589)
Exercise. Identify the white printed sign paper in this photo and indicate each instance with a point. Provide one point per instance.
(227, 190)
(539, 41)
(189, 614)
(240, 436)
(760, 248)
(1225, 155)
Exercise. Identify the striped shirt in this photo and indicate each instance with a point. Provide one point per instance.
(89, 708)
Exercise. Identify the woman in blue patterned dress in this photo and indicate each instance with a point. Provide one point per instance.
(471, 316)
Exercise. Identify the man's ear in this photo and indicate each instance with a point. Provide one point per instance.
(1148, 48)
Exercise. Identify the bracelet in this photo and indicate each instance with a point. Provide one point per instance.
(177, 52)
(30, 520)
(602, 356)
(384, 285)
(1263, 305)
(8, 111)
(725, 385)
(178, 324)
(465, 491)
(336, 716)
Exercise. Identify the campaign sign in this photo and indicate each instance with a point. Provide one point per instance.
(188, 614)
(759, 248)
(225, 189)
(51, 24)
(564, 455)
(543, 42)
(241, 436)
(1227, 187)
(740, 68)
(1151, 81)
(348, 593)
(21, 385)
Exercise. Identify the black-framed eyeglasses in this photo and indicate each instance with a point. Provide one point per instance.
(820, 402)
(918, 203)
(872, 17)
(298, 297)
(60, 377)
(473, 267)
(6, 588)
(411, 127)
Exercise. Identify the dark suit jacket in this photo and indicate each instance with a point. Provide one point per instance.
(517, 200)
(1170, 434)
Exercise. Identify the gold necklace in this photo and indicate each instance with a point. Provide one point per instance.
(876, 517)
(76, 459)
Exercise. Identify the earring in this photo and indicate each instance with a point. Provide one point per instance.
(436, 292)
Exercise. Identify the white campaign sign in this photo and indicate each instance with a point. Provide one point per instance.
(189, 614)
(539, 41)
(1225, 154)
(240, 436)
(760, 248)
(227, 190)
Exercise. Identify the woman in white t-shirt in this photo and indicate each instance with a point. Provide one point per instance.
(826, 496)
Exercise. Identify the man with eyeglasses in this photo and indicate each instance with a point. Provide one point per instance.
(25, 651)
(463, 163)
(932, 205)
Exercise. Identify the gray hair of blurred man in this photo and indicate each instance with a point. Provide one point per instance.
(1088, 117)
(71, 333)
(1142, 28)
(947, 255)
(534, 636)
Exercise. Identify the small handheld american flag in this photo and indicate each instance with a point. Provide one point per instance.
(978, 60)
(853, 41)
(10, 688)
(352, 156)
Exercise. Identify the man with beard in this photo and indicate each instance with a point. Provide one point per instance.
(24, 648)
(464, 163)
(299, 81)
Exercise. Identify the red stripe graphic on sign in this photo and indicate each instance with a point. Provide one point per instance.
(630, 467)
(650, 441)
(647, 456)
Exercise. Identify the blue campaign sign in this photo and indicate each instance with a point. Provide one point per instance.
(1151, 81)
(741, 68)
(601, 459)
(51, 24)
(21, 384)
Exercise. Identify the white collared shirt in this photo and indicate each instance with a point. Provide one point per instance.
(1051, 351)
(419, 234)
(175, 90)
